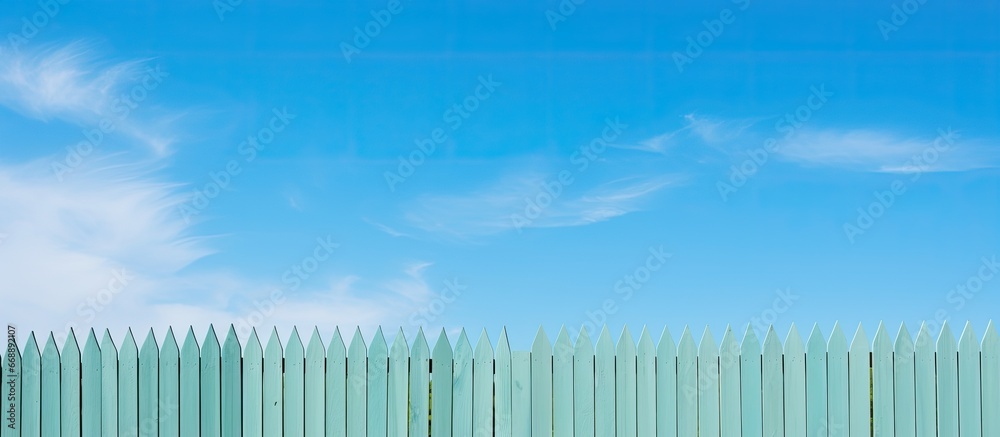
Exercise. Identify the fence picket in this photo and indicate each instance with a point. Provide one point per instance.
(729, 385)
(190, 386)
(420, 381)
(772, 385)
(232, 385)
(520, 370)
(211, 385)
(969, 388)
(31, 389)
(562, 385)
(149, 386)
(293, 387)
(838, 384)
(990, 358)
(272, 385)
(795, 383)
(128, 387)
(378, 384)
(336, 386)
(90, 387)
(947, 382)
(357, 386)
(583, 385)
(859, 381)
(109, 385)
(541, 385)
(687, 385)
(315, 386)
(883, 399)
(396, 405)
(751, 413)
(708, 386)
(816, 384)
(169, 386)
(903, 383)
(461, 409)
(441, 383)
(625, 384)
(69, 387)
(666, 385)
(925, 383)
(253, 387)
(502, 379)
(645, 384)
(604, 384)
(482, 391)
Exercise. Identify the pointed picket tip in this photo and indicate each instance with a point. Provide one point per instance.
(541, 345)
(646, 340)
(666, 343)
(31, 345)
(128, 344)
(502, 343)
(837, 337)
(231, 336)
(605, 345)
(707, 347)
(211, 339)
(107, 340)
(793, 341)
(190, 341)
(463, 341)
(924, 339)
(771, 340)
(315, 348)
(625, 337)
(968, 340)
(169, 341)
(816, 336)
(149, 345)
(945, 337)
(91, 340)
(358, 346)
(50, 346)
(294, 341)
(442, 347)
(70, 342)
(991, 340)
(253, 340)
(399, 344)
(860, 341)
(336, 346)
(484, 349)
(750, 345)
(273, 341)
(420, 347)
(583, 341)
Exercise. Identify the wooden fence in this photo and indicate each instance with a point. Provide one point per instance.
(657, 388)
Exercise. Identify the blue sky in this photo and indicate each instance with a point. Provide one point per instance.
(440, 164)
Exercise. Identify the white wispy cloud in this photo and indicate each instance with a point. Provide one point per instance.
(518, 202)
(73, 83)
(885, 151)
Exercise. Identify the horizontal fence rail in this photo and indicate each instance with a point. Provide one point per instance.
(818, 387)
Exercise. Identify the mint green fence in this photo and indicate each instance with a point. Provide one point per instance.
(820, 387)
